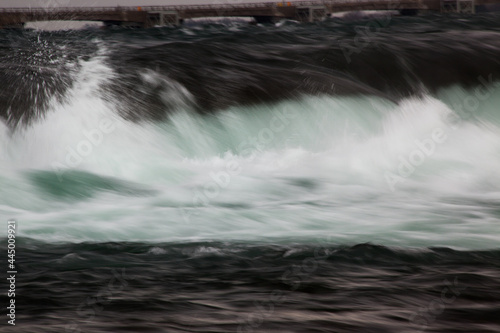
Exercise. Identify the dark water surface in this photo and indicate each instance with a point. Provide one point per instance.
(236, 287)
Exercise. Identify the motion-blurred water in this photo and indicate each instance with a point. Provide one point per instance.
(214, 166)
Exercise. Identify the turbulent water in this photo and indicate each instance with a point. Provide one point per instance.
(341, 176)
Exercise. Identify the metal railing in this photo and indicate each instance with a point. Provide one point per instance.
(188, 7)
(137, 8)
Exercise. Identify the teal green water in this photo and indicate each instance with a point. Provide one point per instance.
(333, 169)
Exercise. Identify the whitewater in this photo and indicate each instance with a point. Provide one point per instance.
(339, 169)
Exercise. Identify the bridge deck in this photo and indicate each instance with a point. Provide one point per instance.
(140, 14)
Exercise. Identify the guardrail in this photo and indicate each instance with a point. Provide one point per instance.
(137, 8)
(187, 7)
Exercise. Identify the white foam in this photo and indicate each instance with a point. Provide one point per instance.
(318, 173)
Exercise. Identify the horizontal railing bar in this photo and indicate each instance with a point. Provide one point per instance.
(191, 7)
